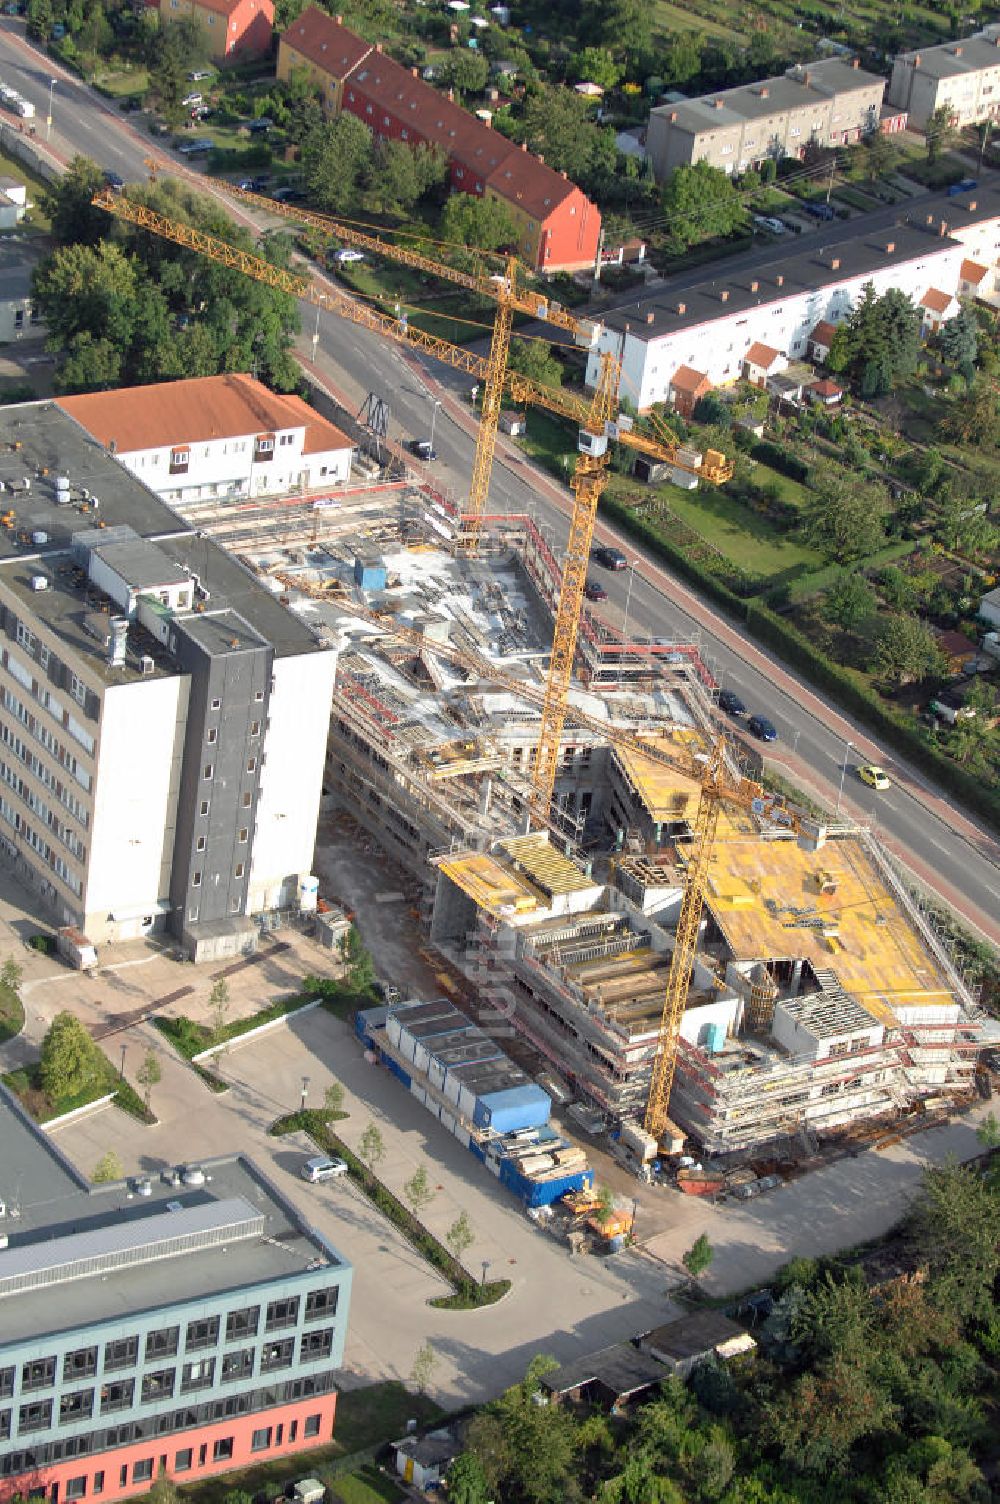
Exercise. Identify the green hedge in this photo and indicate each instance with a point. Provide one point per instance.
(822, 579)
(779, 459)
(190, 1038)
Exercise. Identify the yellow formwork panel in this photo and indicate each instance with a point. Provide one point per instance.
(492, 887)
(666, 793)
(553, 872)
(774, 901)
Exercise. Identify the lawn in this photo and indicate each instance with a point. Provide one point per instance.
(367, 1486)
(452, 314)
(123, 82)
(11, 1014)
(190, 1038)
(673, 18)
(14, 168)
(26, 1084)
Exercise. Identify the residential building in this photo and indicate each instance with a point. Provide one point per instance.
(828, 103)
(234, 30)
(13, 202)
(687, 387)
(163, 717)
(558, 228)
(962, 77)
(189, 1321)
(761, 363)
(19, 317)
(792, 304)
(215, 436)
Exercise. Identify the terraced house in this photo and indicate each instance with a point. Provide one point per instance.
(558, 227)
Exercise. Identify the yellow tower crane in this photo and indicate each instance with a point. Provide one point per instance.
(598, 420)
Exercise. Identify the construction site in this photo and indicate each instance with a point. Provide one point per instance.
(688, 954)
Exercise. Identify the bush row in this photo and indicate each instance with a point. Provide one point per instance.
(794, 647)
(190, 1038)
(779, 459)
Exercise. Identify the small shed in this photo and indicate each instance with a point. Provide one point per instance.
(424, 1460)
(786, 387)
(613, 1377)
(681, 1345)
(936, 308)
(513, 423)
(989, 607)
(687, 387)
(825, 393)
(370, 572)
(762, 361)
(973, 279)
(819, 340)
(960, 654)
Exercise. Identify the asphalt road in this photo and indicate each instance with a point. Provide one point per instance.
(963, 868)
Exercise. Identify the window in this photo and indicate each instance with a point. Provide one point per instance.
(199, 845)
(197, 1375)
(123, 1470)
(81, 1364)
(34, 1417)
(193, 913)
(242, 1323)
(312, 1425)
(76, 1406)
(158, 1385)
(76, 1488)
(204, 1333)
(6, 1383)
(4, 1424)
(239, 870)
(117, 1395)
(251, 764)
(322, 1302)
(282, 1313)
(208, 770)
(216, 704)
(223, 1449)
(261, 1440)
(78, 689)
(213, 734)
(121, 1354)
(183, 1460)
(39, 1374)
(244, 834)
(196, 880)
(255, 728)
(316, 1345)
(246, 801)
(203, 807)
(237, 1364)
(277, 1355)
(98, 1485)
(258, 695)
(162, 1343)
(142, 1470)
(180, 459)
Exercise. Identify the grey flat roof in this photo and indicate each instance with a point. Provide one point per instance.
(60, 1214)
(690, 1336)
(797, 89)
(141, 564)
(804, 269)
(621, 1369)
(976, 52)
(38, 442)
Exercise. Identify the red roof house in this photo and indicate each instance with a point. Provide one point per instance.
(233, 29)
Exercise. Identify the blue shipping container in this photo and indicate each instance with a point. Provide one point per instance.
(715, 1038)
(507, 1111)
(369, 573)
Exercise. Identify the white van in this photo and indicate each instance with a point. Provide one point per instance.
(321, 1168)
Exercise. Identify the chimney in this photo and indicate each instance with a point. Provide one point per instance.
(724, 295)
(718, 104)
(835, 263)
(971, 205)
(564, 176)
(650, 318)
(944, 228)
(956, 52)
(755, 286)
(682, 308)
(673, 113)
(541, 159)
(451, 95)
(890, 246)
(378, 46)
(524, 146)
(340, 20)
(930, 219)
(764, 92)
(917, 60)
(854, 62)
(780, 280)
(414, 72)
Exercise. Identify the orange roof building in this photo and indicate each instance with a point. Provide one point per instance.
(215, 436)
(558, 228)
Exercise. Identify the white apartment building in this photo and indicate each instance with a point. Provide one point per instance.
(163, 718)
(710, 326)
(962, 76)
(215, 437)
(829, 103)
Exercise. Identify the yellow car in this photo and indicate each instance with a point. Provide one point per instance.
(876, 778)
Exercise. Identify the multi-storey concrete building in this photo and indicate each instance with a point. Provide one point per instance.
(189, 1323)
(163, 718)
(828, 103)
(711, 325)
(962, 77)
(215, 436)
(558, 227)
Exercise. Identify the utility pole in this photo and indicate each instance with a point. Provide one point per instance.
(598, 257)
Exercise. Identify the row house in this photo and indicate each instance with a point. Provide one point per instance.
(962, 77)
(234, 30)
(558, 228)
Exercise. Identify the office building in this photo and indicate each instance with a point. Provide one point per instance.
(163, 718)
(188, 1323)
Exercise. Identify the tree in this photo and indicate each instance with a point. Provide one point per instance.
(107, 1168)
(939, 132)
(483, 224)
(624, 27)
(879, 344)
(218, 1006)
(958, 339)
(423, 1368)
(89, 365)
(335, 160)
(525, 1449)
(700, 203)
(973, 419)
(467, 1481)
(11, 975)
(333, 1099)
(372, 1147)
(71, 1061)
(174, 49)
(880, 155)
(418, 1190)
(905, 650)
(699, 1256)
(402, 174)
(359, 968)
(149, 1074)
(595, 66)
(165, 1490)
(954, 1231)
(533, 358)
(558, 124)
(67, 202)
(460, 1237)
(843, 516)
(467, 72)
(849, 602)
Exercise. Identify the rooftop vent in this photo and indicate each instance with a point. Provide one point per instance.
(39, 582)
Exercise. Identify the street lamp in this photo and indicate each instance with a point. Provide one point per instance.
(48, 118)
(122, 1073)
(486, 1265)
(434, 413)
(843, 774)
(305, 1093)
(315, 337)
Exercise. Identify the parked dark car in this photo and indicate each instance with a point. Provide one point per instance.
(762, 728)
(731, 703)
(821, 211)
(965, 186)
(611, 558)
(288, 195)
(114, 182)
(595, 591)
